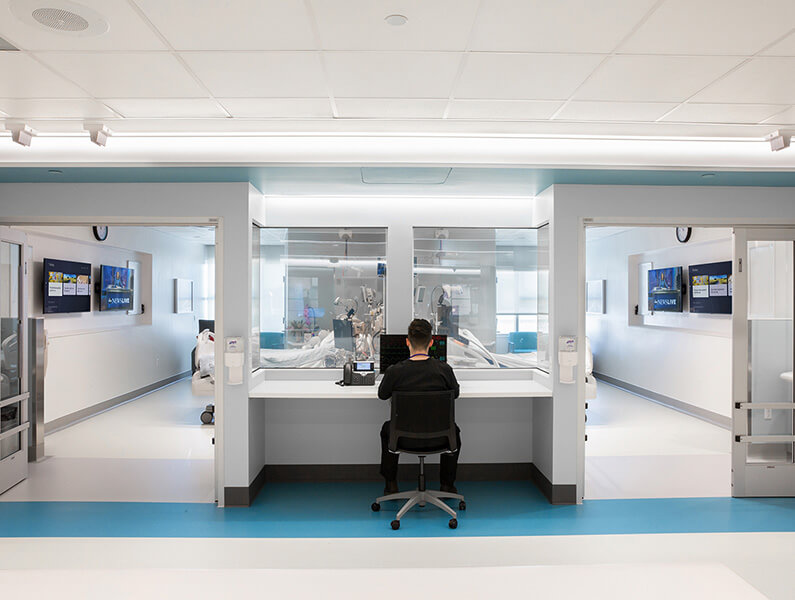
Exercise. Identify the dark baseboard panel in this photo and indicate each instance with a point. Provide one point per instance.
(244, 496)
(555, 493)
(91, 411)
(683, 407)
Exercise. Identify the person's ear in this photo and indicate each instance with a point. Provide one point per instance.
(408, 343)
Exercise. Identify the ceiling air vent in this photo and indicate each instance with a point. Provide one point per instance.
(6, 46)
(60, 16)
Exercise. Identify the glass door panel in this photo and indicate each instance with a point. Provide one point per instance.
(764, 419)
(13, 407)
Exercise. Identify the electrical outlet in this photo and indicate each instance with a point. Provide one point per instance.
(768, 414)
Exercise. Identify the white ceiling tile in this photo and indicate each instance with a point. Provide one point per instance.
(390, 108)
(723, 113)
(786, 117)
(159, 108)
(392, 74)
(759, 81)
(154, 75)
(259, 74)
(654, 78)
(524, 76)
(55, 109)
(514, 110)
(555, 25)
(712, 27)
(614, 111)
(785, 47)
(126, 31)
(437, 25)
(238, 25)
(23, 77)
(277, 108)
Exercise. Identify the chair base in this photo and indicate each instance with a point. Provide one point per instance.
(422, 497)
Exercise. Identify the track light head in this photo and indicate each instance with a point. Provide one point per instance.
(779, 140)
(98, 133)
(21, 133)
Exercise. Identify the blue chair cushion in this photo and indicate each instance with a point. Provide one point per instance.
(522, 341)
(271, 340)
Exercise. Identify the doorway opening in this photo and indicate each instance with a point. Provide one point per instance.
(659, 323)
(119, 389)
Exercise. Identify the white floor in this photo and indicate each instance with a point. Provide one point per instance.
(153, 449)
(697, 566)
(639, 449)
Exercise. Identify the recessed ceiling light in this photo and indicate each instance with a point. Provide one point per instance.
(396, 20)
(707, 175)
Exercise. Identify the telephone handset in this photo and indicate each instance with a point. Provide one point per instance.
(360, 372)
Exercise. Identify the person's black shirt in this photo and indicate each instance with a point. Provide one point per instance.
(427, 375)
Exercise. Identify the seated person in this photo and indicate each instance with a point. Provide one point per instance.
(418, 373)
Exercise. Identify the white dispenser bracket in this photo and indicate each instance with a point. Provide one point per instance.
(234, 360)
(567, 358)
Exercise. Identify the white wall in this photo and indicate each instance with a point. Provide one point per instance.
(684, 356)
(96, 356)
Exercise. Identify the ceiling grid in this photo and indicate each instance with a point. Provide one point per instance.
(639, 68)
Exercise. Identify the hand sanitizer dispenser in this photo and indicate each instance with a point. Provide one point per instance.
(567, 357)
(234, 359)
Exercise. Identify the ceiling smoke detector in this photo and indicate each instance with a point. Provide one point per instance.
(60, 16)
(396, 20)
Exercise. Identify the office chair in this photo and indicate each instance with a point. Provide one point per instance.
(422, 423)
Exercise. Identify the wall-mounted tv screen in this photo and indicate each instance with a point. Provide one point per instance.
(115, 288)
(665, 289)
(711, 288)
(67, 286)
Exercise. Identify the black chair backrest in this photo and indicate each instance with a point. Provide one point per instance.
(206, 324)
(421, 416)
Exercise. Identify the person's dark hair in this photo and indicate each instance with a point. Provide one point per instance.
(420, 333)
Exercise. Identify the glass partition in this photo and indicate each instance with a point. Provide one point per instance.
(480, 287)
(321, 295)
(10, 376)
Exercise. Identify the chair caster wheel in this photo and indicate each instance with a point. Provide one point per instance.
(207, 417)
(453, 523)
(395, 524)
(462, 505)
(375, 506)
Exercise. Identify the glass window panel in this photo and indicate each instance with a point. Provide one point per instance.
(9, 320)
(480, 286)
(770, 347)
(10, 445)
(321, 295)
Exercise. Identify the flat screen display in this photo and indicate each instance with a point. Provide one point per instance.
(115, 288)
(393, 349)
(67, 286)
(711, 288)
(665, 289)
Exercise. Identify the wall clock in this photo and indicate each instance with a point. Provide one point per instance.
(101, 232)
(683, 233)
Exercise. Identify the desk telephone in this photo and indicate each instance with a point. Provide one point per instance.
(360, 372)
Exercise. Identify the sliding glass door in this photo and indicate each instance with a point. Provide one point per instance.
(763, 415)
(13, 393)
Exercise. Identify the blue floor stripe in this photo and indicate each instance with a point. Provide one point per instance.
(300, 510)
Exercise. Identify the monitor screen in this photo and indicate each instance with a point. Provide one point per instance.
(665, 289)
(115, 288)
(711, 288)
(393, 349)
(67, 286)
(343, 334)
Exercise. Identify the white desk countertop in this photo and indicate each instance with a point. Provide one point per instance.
(487, 388)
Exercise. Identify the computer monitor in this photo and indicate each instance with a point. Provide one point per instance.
(394, 349)
(343, 334)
